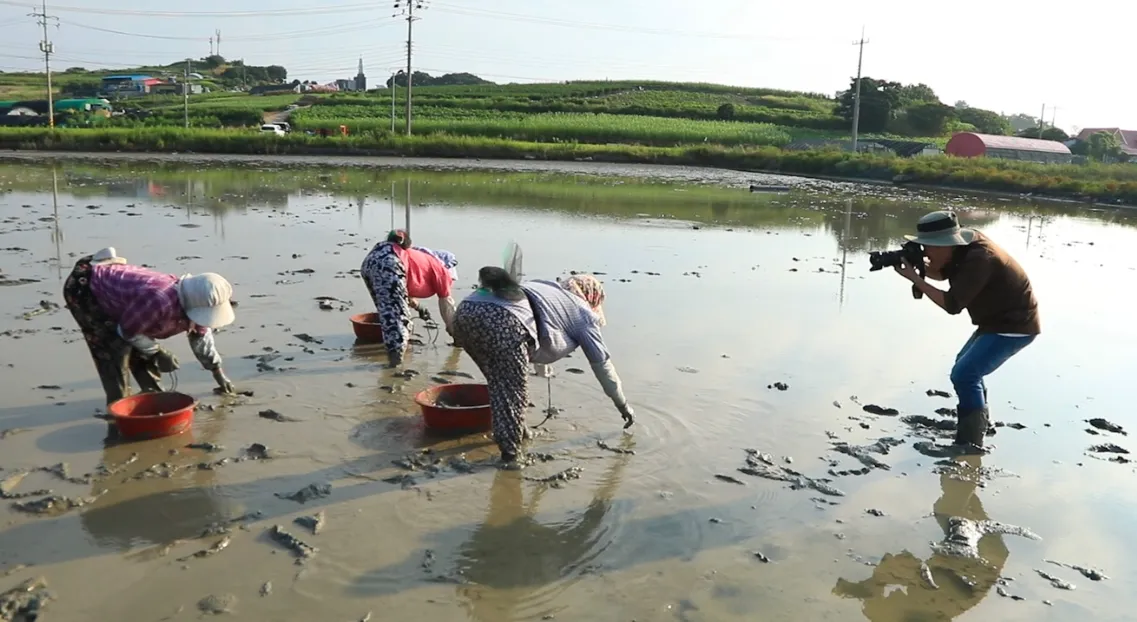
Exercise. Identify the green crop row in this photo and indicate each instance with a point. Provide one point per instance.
(1105, 183)
(580, 128)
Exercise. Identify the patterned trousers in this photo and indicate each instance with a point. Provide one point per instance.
(112, 355)
(386, 280)
(500, 346)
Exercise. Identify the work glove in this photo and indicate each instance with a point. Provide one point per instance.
(223, 382)
(628, 414)
(166, 361)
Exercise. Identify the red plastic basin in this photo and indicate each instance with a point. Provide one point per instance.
(456, 407)
(153, 415)
(366, 326)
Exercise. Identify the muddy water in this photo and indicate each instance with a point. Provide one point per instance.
(714, 295)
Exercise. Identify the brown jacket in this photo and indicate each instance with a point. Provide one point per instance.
(993, 287)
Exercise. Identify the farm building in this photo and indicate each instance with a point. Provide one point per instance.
(1127, 138)
(133, 85)
(972, 145)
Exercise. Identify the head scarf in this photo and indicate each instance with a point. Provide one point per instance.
(400, 237)
(589, 289)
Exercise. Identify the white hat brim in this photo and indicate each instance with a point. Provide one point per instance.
(961, 238)
(212, 317)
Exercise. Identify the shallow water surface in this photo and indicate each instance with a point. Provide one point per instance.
(714, 295)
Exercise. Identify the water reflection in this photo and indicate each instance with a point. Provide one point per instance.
(896, 592)
(514, 553)
(155, 510)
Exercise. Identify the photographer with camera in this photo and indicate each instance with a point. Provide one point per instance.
(996, 293)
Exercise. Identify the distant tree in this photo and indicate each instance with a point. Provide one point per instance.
(726, 111)
(880, 100)
(960, 105)
(214, 61)
(75, 70)
(928, 118)
(1049, 133)
(985, 121)
(1020, 122)
(425, 79)
(1080, 147)
(917, 93)
(1104, 146)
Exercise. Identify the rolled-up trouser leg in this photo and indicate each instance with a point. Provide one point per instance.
(499, 345)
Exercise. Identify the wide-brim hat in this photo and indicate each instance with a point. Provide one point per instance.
(206, 301)
(941, 229)
(107, 255)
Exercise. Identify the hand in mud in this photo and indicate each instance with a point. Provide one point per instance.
(628, 414)
(423, 314)
(166, 361)
(223, 382)
(907, 271)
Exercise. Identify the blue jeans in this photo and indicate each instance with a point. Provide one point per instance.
(982, 354)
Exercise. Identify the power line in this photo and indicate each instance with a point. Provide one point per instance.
(457, 10)
(342, 8)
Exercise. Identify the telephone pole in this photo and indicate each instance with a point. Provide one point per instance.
(218, 52)
(185, 93)
(1042, 121)
(408, 8)
(857, 90)
(45, 46)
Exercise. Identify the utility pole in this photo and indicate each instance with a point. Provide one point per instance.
(48, 49)
(408, 8)
(1053, 116)
(211, 46)
(1042, 121)
(219, 42)
(185, 93)
(857, 91)
(393, 74)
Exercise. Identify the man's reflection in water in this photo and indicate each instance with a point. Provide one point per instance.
(155, 510)
(896, 592)
(512, 553)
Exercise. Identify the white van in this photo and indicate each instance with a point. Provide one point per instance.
(275, 129)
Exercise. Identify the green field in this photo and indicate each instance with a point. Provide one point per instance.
(1112, 183)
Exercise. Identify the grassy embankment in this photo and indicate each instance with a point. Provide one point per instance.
(1106, 183)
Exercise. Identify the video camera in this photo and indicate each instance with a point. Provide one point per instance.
(910, 253)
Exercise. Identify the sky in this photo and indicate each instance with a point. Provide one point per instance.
(1004, 55)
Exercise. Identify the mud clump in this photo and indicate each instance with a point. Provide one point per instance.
(53, 505)
(729, 478)
(863, 453)
(273, 415)
(216, 605)
(209, 447)
(307, 493)
(874, 512)
(301, 549)
(1089, 573)
(1108, 426)
(761, 557)
(558, 480)
(25, 602)
(921, 421)
(315, 524)
(781, 386)
(1055, 581)
(1109, 448)
(221, 545)
(615, 450)
(873, 409)
(762, 465)
(937, 393)
(963, 536)
(926, 577)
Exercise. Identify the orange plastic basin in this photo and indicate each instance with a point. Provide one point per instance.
(456, 407)
(153, 415)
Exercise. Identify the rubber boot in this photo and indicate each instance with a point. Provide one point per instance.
(972, 428)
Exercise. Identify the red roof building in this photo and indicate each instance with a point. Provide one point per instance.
(1128, 138)
(972, 145)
